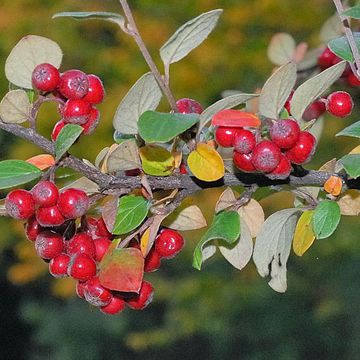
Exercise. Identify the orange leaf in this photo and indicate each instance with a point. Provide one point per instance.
(42, 161)
(333, 185)
(235, 118)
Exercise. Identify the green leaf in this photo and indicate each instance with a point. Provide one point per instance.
(340, 47)
(353, 12)
(89, 15)
(156, 160)
(132, 210)
(189, 36)
(67, 136)
(351, 165)
(352, 130)
(326, 218)
(163, 127)
(17, 172)
(225, 226)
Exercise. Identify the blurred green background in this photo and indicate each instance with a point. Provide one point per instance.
(218, 313)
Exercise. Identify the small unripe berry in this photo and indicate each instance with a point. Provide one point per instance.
(19, 204)
(45, 77)
(116, 305)
(49, 244)
(284, 133)
(81, 243)
(74, 84)
(77, 111)
(95, 293)
(243, 162)
(169, 243)
(339, 104)
(32, 229)
(101, 246)
(45, 193)
(327, 59)
(96, 91)
(57, 128)
(92, 122)
(58, 265)
(49, 216)
(282, 171)
(244, 141)
(82, 267)
(266, 156)
(303, 150)
(143, 299)
(224, 136)
(314, 111)
(189, 106)
(152, 261)
(73, 203)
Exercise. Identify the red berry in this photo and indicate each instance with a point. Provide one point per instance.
(95, 293)
(152, 261)
(93, 121)
(224, 136)
(189, 106)
(327, 59)
(143, 299)
(57, 128)
(183, 169)
(19, 204)
(169, 243)
(80, 287)
(45, 193)
(303, 149)
(49, 216)
(74, 84)
(96, 91)
(352, 79)
(288, 102)
(339, 104)
(73, 203)
(58, 265)
(45, 77)
(101, 246)
(282, 171)
(266, 156)
(116, 305)
(244, 141)
(132, 172)
(284, 133)
(82, 267)
(102, 230)
(32, 229)
(76, 111)
(243, 162)
(49, 244)
(314, 111)
(81, 243)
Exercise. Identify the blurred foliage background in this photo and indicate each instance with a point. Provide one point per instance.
(218, 313)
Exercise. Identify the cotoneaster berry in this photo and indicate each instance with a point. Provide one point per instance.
(74, 84)
(45, 77)
(169, 243)
(92, 122)
(152, 261)
(243, 162)
(32, 228)
(143, 299)
(79, 288)
(82, 267)
(282, 171)
(49, 216)
(352, 79)
(101, 246)
(95, 293)
(224, 136)
(81, 244)
(102, 229)
(49, 244)
(115, 306)
(96, 91)
(303, 150)
(189, 106)
(284, 133)
(77, 111)
(45, 193)
(58, 265)
(314, 111)
(73, 203)
(327, 59)
(339, 104)
(57, 128)
(244, 141)
(19, 204)
(266, 156)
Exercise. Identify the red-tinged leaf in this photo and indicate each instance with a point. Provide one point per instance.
(122, 270)
(235, 118)
(42, 161)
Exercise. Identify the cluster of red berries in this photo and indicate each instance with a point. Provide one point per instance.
(286, 144)
(78, 91)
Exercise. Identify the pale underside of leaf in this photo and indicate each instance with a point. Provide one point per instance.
(124, 157)
(188, 218)
(281, 48)
(226, 200)
(253, 215)
(15, 107)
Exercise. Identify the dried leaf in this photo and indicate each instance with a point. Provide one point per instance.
(333, 185)
(42, 161)
(226, 199)
(149, 236)
(109, 212)
(186, 218)
(85, 184)
(15, 107)
(350, 203)
(253, 215)
(124, 156)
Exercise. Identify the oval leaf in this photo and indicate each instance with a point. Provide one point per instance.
(276, 91)
(67, 136)
(206, 163)
(29, 52)
(124, 156)
(189, 36)
(331, 28)
(42, 161)
(235, 118)
(304, 235)
(163, 127)
(350, 203)
(326, 219)
(226, 200)
(15, 107)
(156, 160)
(353, 130)
(353, 12)
(281, 48)
(144, 95)
(341, 48)
(253, 214)
(351, 165)
(17, 172)
(89, 15)
(188, 218)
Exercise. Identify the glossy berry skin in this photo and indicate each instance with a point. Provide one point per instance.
(143, 299)
(183, 169)
(169, 243)
(352, 80)
(339, 104)
(49, 216)
(19, 204)
(314, 111)
(189, 106)
(102, 230)
(101, 246)
(57, 128)
(45, 193)
(79, 289)
(327, 59)
(152, 261)
(73, 203)
(92, 122)
(58, 265)
(224, 136)
(284, 133)
(243, 162)
(287, 105)
(74, 84)
(32, 229)
(115, 306)
(303, 150)
(244, 141)
(81, 243)
(76, 111)
(282, 171)
(82, 267)
(266, 156)
(45, 77)
(49, 244)
(96, 91)
(95, 293)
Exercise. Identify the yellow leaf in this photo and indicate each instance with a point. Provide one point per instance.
(206, 163)
(144, 241)
(42, 161)
(333, 185)
(355, 151)
(156, 160)
(304, 235)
